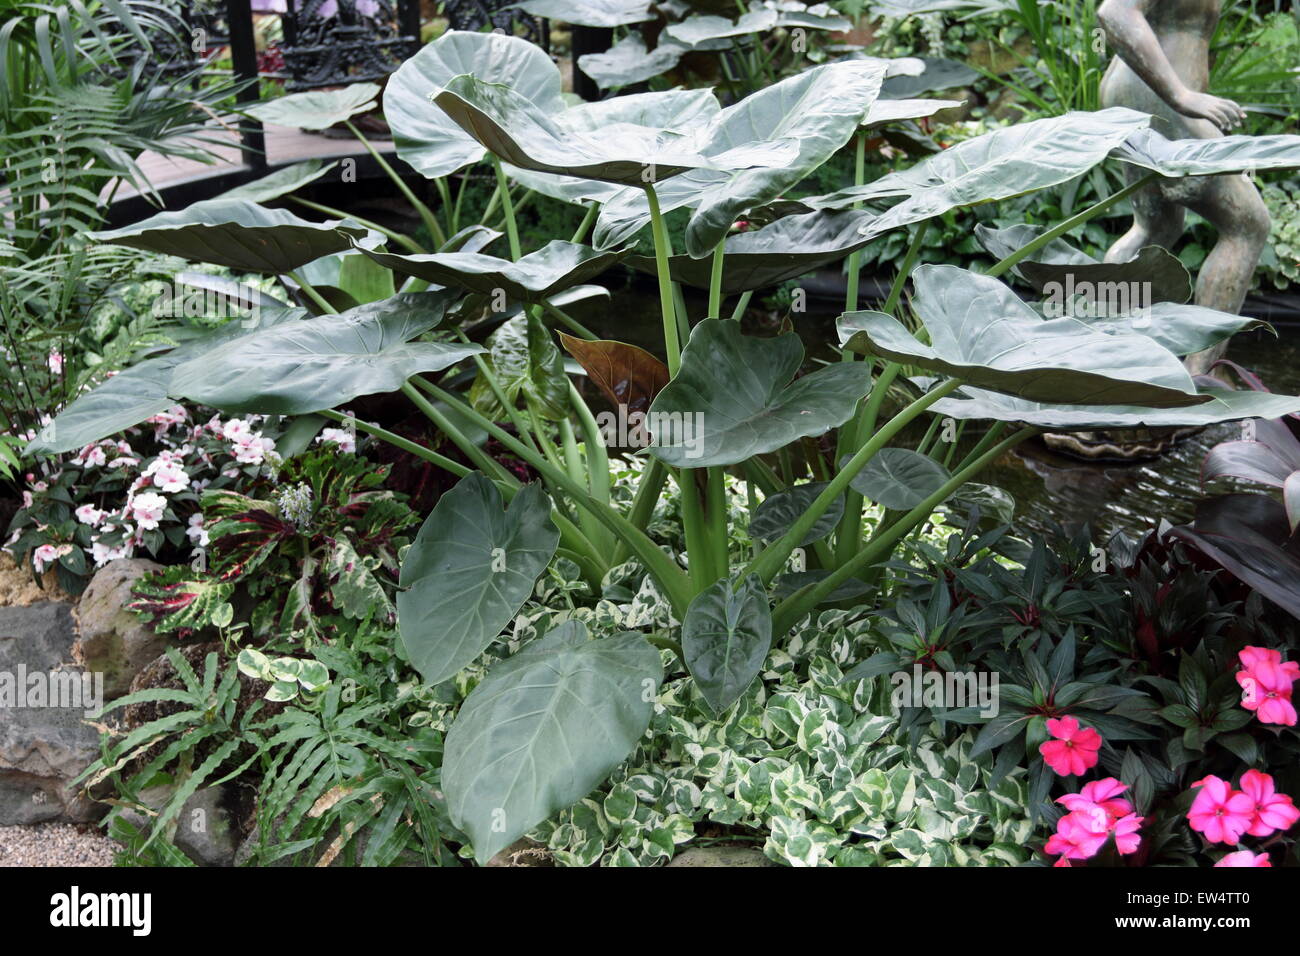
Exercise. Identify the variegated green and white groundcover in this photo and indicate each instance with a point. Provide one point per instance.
(803, 767)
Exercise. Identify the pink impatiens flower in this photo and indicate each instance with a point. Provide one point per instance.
(146, 509)
(1219, 813)
(1096, 812)
(1075, 748)
(1273, 810)
(1245, 858)
(1266, 681)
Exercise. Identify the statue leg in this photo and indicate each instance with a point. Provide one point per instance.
(1232, 204)
(1157, 221)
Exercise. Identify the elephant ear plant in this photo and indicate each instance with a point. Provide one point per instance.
(545, 726)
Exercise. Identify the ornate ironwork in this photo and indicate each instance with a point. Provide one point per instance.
(333, 42)
(493, 15)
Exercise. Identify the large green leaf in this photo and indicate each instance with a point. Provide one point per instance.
(790, 247)
(704, 32)
(934, 74)
(527, 365)
(726, 634)
(553, 268)
(239, 234)
(981, 332)
(1209, 157)
(778, 513)
(323, 362)
(680, 110)
(1182, 329)
(628, 62)
(516, 130)
(543, 729)
(733, 397)
(139, 392)
(426, 137)
(820, 16)
(590, 13)
(1223, 405)
(900, 478)
(1153, 275)
(893, 111)
(317, 109)
(281, 182)
(1001, 164)
(818, 110)
(346, 280)
(471, 567)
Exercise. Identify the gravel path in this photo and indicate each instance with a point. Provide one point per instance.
(55, 844)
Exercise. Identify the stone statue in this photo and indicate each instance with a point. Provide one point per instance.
(1162, 67)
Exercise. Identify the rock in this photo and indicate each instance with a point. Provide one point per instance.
(44, 699)
(19, 589)
(204, 830)
(523, 852)
(721, 856)
(114, 640)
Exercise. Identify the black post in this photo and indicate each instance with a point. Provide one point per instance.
(584, 40)
(243, 57)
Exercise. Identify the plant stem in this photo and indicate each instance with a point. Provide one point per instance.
(672, 345)
(778, 552)
(909, 260)
(410, 244)
(855, 257)
(581, 232)
(789, 611)
(676, 586)
(310, 290)
(1064, 227)
(507, 206)
(742, 305)
(573, 324)
(426, 214)
(485, 462)
(397, 441)
(715, 280)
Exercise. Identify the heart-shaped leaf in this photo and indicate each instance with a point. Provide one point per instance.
(1209, 157)
(322, 362)
(982, 333)
(471, 567)
(543, 729)
(817, 111)
(139, 392)
(1223, 406)
(705, 32)
(1182, 329)
(895, 111)
(682, 111)
(426, 137)
(534, 277)
(281, 182)
(778, 513)
(628, 62)
(733, 397)
(900, 478)
(931, 75)
(790, 247)
(820, 16)
(1001, 164)
(512, 127)
(317, 109)
(726, 634)
(1155, 274)
(628, 376)
(241, 235)
(590, 13)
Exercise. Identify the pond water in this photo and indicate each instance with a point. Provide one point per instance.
(1048, 487)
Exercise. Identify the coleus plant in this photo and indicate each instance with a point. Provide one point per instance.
(545, 726)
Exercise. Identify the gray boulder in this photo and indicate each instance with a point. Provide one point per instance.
(113, 640)
(44, 700)
(721, 856)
